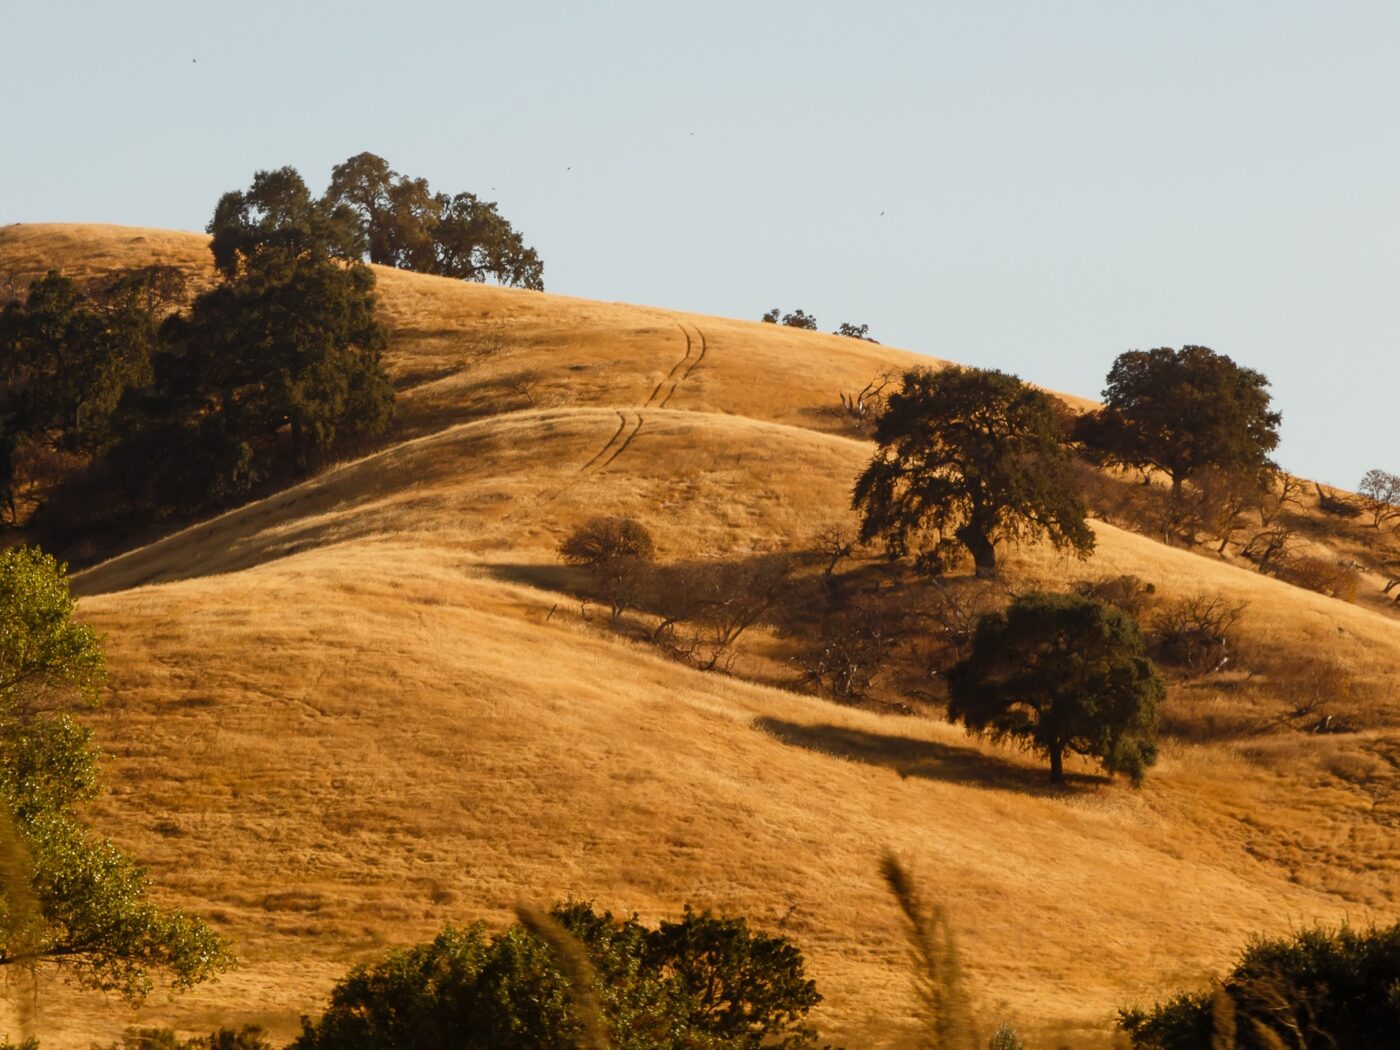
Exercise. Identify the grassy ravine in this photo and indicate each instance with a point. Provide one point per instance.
(362, 707)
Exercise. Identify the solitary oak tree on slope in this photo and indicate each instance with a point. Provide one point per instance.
(969, 457)
(1062, 674)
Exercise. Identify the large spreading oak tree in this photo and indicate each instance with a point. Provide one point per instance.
(969, 457)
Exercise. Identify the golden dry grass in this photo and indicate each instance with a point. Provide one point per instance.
(355, 710)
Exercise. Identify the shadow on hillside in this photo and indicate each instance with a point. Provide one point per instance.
(921, 758)
(543, 576)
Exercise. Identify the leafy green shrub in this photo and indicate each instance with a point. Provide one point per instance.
(704, 983)
(1335, 988)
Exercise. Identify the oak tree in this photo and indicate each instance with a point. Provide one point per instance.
(1061, 673)
(1182, 411)
(969, 457)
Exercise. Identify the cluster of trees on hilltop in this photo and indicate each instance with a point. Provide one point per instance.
(371, 213)
(121, 398)
(799, 318)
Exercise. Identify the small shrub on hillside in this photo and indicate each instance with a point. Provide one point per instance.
(703, 982)
(707, 606)
(614, 550)
(604, 539)
(1197, 634)
(1005, 1038)
(1318, 988)
(1336, 579)
(854, 641)
(249, 1037)
(1127, 593)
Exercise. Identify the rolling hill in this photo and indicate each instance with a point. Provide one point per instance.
(366, 705)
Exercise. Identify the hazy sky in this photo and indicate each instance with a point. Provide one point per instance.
(1060, 181)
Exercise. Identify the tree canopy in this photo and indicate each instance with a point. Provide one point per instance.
(277, 213)
(275, 364)
(703, 981)
(66, 358)
(1062, 673)
(797, 319)
(969, 457)
(1181, 411)
(1314, 988)
(70, 896)
(404, 223)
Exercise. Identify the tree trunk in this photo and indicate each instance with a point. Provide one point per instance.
(298, 448)
(984, 552)
(1057, 765)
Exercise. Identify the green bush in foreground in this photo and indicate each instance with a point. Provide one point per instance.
(701, 983)
(1325, 988)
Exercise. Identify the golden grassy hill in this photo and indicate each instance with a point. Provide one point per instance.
(361, 707)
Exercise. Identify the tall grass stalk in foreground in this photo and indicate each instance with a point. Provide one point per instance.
(947, 1014)
(578, 971)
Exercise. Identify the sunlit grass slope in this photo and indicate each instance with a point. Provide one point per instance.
(362, 707)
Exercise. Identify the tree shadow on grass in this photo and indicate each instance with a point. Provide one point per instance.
(926, 759)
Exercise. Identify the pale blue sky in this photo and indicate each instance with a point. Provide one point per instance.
(1060, 181)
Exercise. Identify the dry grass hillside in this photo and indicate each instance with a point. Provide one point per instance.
(365, 706)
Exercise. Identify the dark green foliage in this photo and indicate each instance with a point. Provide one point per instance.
(797, 319)
(404, 224)
(855, 331)
(66, 359)
(1180, 411)
(272, 367)
(1062, 673)
(277, 215)
(969, 457)
(71, 896)
(1323, 988)
(703, 983)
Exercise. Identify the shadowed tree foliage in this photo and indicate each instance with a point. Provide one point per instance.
(703, 982)
(66, 359)
(969, 457)
(278, 214)
(1181, 411)
(797, 319)
(614, 550)
(855, 331)
(404, 223)
(70, 897)
(1062, 673)
(1317, 988)
(281, 362)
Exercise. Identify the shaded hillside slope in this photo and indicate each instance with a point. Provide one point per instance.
(361, 707)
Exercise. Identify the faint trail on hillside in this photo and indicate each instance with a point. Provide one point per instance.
(623, 447)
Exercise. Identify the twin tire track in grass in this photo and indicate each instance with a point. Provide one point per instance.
(621, 438)
(685, 365)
